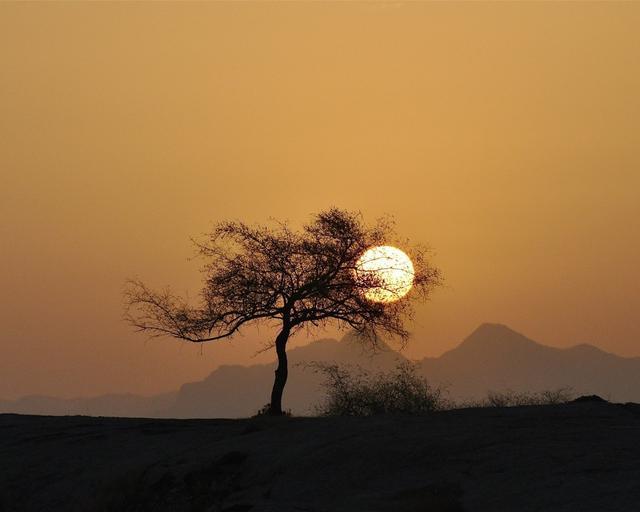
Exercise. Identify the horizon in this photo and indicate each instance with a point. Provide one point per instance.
(386, 348)
(504, 136)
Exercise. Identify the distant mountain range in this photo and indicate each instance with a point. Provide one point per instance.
(117, 404)
(493, 357)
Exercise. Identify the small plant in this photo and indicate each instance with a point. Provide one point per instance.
(512, 398)
(265, 410)
(355, 392)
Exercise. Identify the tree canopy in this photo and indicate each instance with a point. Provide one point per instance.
(292, 279)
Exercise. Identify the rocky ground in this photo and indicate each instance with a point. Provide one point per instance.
(574, 457)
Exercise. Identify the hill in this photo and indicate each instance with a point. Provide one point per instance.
(579, 456)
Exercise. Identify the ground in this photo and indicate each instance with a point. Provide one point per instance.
(574, 457)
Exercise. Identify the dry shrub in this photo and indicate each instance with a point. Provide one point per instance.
(352, 391)
(510, 398)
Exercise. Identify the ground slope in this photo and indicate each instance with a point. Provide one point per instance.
(571, 457)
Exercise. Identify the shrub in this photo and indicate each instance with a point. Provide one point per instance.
(355, 392)
(352, 391)
(512, 398)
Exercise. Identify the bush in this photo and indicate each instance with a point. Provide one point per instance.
(511, 398)
(352, 391)
(355, 392)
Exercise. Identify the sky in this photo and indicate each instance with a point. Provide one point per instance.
(503, 135)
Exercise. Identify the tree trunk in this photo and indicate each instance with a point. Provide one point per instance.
(275, 407)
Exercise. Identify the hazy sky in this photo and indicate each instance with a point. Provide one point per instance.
(505, 135)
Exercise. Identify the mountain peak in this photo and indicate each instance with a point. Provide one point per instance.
(489, 327)
(493, 329)
(489, 334)
(355, 339)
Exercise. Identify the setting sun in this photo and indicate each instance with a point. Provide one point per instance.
(392, 270)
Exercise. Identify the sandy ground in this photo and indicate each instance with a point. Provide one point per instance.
(575, 457)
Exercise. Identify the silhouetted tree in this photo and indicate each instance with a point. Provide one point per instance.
(294, 279)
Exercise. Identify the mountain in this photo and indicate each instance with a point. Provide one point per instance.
(494, 357)
(237, 391)
(230, 391)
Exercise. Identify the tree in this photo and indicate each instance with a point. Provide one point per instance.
(293, 279)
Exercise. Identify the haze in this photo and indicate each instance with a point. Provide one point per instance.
(504, 135)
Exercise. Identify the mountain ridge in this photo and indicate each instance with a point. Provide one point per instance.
(493, 357)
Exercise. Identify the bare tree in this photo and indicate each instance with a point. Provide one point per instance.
(294, 279)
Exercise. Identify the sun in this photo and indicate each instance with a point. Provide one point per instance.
(391, 271)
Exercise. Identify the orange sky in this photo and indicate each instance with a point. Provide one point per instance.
(505, 135)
